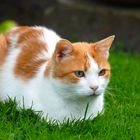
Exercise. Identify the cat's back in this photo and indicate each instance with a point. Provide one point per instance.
(24, 49)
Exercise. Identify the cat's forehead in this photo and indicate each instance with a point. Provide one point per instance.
(93, 66)
(82, 47)
(86, 52)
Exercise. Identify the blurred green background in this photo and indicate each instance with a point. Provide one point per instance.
(7, 25)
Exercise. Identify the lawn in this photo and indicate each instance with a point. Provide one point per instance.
(120, 121)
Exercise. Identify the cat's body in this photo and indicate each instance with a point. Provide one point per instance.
(53, 75)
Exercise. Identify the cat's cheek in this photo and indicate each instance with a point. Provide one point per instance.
(82, 82)
(102, 86)
(103, 82)
(100, 91)
(83, 88)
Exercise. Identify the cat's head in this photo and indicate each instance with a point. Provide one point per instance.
(81, 69)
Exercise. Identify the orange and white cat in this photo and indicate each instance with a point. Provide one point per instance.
(52, 74)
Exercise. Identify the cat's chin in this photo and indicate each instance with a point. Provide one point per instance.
(93, 94)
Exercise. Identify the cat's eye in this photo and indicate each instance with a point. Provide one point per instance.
(79, 73)
(102, 72)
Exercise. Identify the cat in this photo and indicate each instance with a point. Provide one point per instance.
(50, 74)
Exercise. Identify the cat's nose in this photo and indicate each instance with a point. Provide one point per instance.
(94, 88)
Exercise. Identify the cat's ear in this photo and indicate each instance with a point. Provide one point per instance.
(102, 47)
(63, 49)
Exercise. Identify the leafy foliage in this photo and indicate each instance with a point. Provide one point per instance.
(7, 25)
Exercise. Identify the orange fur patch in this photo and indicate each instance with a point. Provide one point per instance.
(3, 49)
(29, 34)
(27, 63)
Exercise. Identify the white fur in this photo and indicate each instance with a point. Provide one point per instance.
(50, 37)
(57, 100)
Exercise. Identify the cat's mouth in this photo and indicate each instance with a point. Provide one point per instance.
(94, 94)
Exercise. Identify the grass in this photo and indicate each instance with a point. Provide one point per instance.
(120, 121)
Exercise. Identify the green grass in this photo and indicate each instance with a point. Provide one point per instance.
(120, 121)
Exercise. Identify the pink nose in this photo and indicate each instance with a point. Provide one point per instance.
(94, 88)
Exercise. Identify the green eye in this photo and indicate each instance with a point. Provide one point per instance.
(102, 72)
(79, 73)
